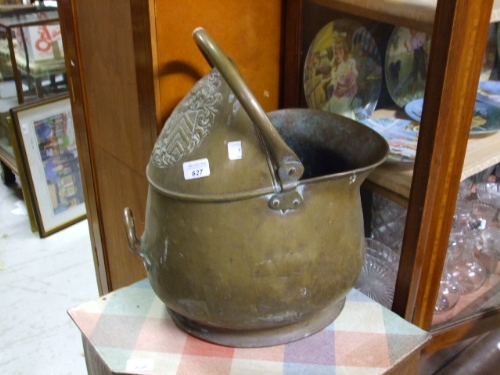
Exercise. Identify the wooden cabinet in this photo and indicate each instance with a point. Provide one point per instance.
(129, 63)
(445, 155)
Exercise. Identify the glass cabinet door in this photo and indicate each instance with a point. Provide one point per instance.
(32, 67)
(31, 53)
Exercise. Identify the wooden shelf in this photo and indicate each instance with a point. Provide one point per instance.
(482, 152)
(417, 14)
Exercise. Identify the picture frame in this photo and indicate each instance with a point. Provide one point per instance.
(47, 144)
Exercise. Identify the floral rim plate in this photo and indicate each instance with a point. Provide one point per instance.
(401, 134)
(343, 70)
(486, 118)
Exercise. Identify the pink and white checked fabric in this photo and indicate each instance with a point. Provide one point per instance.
(133, 333)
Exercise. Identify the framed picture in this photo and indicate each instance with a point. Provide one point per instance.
(47, 144)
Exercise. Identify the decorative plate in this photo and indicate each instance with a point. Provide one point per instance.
(402, 136)
(489, 92)
(414, 109)
(490, 53)
(498, 41)
(406, 61)
(343, 70)
(485, 120)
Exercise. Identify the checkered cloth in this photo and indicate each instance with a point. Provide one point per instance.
(133, 333)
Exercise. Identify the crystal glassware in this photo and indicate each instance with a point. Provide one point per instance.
(462, 213)
(489, 192)
(484, 176)
(482, 215)
(391, 233)
(465, 189)
(488, 253)
(384, 210)
(388, 222)
(449, 290)
(468, 270)
(378, 275)
(456, 243)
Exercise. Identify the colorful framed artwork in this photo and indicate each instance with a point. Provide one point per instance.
(47, 144)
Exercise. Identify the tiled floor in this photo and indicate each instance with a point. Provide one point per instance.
(40, 279)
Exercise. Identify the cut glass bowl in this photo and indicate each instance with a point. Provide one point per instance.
(378, 275)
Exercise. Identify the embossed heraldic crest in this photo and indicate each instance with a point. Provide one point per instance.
(190, 122)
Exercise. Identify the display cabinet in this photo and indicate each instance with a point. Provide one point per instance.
(31, 54)
(445, 155)
(139, 39)
(32, 67)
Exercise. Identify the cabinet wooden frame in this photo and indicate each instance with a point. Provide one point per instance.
(459, 35)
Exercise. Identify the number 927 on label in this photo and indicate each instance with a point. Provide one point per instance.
(196, 169)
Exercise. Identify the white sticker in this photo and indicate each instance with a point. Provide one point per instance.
(234, 150)
(196, 169)
(482, 226)
(138, 364)
(25, 128)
